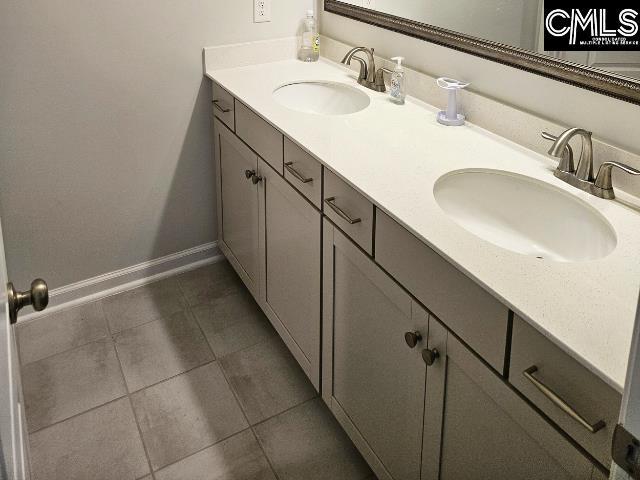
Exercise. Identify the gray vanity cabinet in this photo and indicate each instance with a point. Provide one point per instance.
(478, 428)
(292, 233)
(418, 403)
(374, 381)
(238, 217)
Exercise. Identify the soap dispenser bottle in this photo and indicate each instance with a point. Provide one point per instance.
(398, 91)
(310, 42)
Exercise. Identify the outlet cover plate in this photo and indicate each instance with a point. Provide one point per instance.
(261, 11)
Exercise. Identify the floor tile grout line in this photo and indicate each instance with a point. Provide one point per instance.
(124, 382)
(244, 414)
(107, 335)
(95, 340)
(135, 392)
(135, 416)
(200, 450)
(287, 410)
(264, 452)
(193, 317)
(236, 396)
(257, 437)
(221, 357)
(156, 319)
(144, 445)
(78, 414)
(238, 403)
(184, 309)
(224, 372)
(183, 304)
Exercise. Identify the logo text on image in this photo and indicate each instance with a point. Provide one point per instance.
(579, 28)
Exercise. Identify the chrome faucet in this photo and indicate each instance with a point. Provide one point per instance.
(585, 165)
(582, 177)
(369, 77)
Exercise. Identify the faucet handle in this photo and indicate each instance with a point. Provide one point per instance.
(380, 78)
(603, 180)
(566, 162)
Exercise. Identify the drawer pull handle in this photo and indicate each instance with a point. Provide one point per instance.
(341, 213)
(560, 402)
(216, 103)
(297, 174)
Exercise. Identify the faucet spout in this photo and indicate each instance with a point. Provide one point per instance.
(585, 165)
(371, 68)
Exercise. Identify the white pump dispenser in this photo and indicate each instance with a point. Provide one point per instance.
(451, 117)
(398, 91)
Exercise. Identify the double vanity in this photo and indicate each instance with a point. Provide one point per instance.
(464, 313)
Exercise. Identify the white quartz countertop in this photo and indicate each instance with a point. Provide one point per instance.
(394, 155)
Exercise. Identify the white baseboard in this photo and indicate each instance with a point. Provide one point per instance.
(125, 279)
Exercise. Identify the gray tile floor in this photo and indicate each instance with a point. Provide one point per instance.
(184, 379)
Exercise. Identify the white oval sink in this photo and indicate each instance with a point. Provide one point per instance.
(323, 98)
(525, 215)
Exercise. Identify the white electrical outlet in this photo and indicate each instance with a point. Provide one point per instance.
(369, 4)
(261, 11)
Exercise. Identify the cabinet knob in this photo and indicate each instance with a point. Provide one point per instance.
(256, 179)
(249, 174)
(430, 356)
(412, 338)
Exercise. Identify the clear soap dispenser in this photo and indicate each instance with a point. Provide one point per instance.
(398, 90)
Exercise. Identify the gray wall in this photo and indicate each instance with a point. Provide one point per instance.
(611, 120)
(104, 128)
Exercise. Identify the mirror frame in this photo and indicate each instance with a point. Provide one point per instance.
(582, 76)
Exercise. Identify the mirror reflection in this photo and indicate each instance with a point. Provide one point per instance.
(517, 23)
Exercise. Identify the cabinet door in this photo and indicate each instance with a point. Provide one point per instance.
(478, 428)
(378, 384)
(293, 237)
(239, 204)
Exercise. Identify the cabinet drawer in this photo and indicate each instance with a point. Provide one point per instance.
(303, 172)
(223, 106)
(535, 359)
(260, 136)
(349, 210)
(472, 313)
